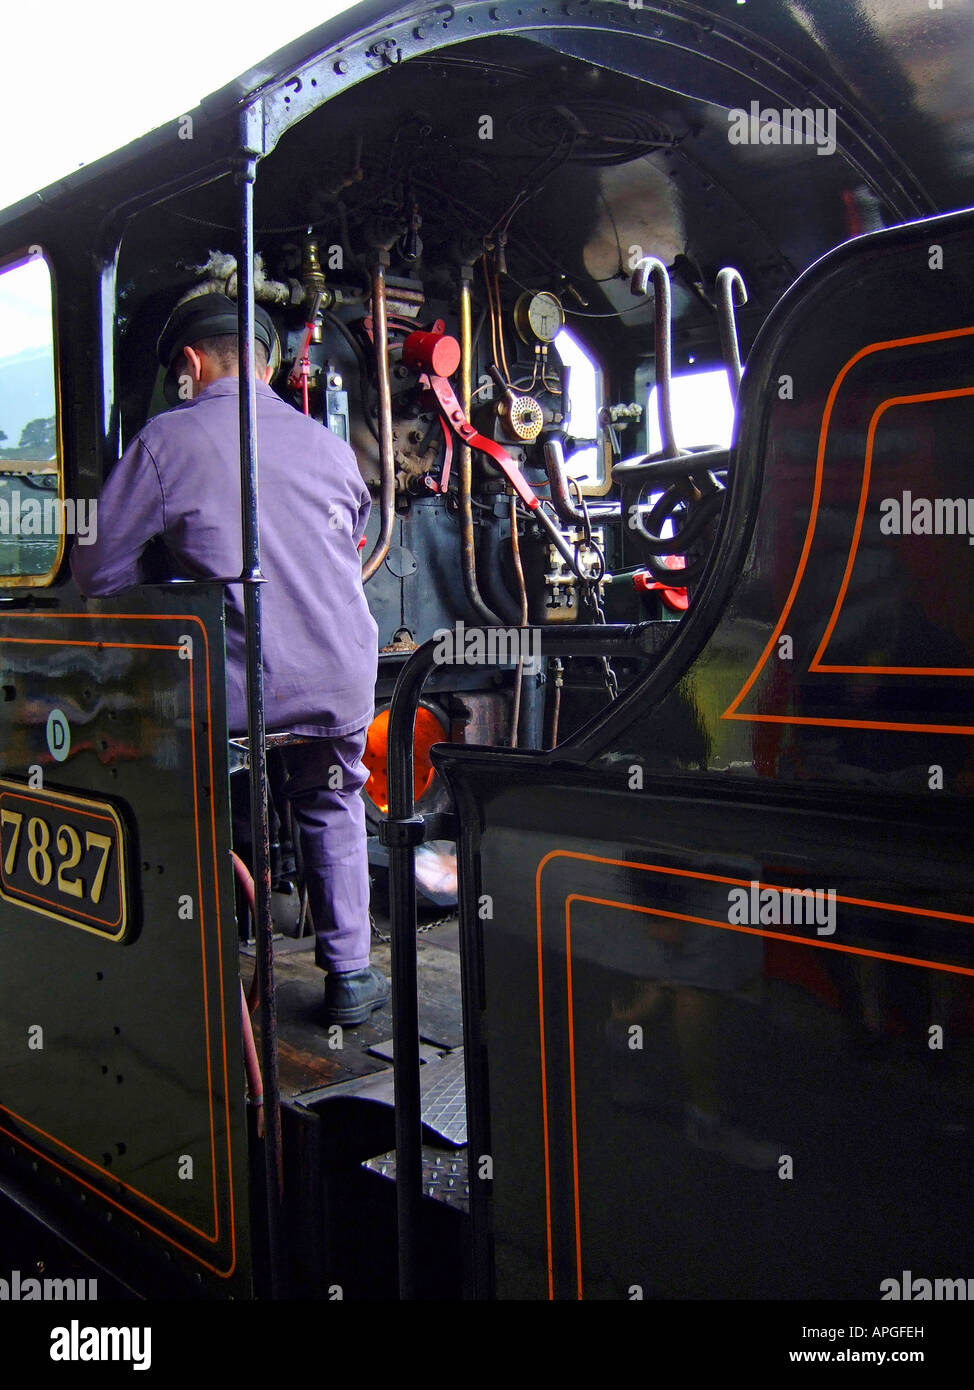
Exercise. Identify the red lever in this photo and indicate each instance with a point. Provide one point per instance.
(454, 418)
(677, 599)
(436, 354)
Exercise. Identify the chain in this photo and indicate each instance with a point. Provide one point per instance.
(380, 936)
(590, 591)
(594, 600)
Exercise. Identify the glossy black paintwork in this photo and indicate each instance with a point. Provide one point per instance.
(708, 804)
(139, 1070)
(611, 866)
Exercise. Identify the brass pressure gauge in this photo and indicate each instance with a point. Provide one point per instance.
(538, 317)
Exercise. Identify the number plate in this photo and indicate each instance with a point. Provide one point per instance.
(64, 856)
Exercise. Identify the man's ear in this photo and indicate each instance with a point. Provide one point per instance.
(194, 363)
(266, 374)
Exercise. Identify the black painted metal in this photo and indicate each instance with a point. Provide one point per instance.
(725, 57)
(840, 761)
(402, 831)
(141, 1039)
(260, 833)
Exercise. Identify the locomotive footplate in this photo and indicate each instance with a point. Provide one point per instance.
(446, 1176)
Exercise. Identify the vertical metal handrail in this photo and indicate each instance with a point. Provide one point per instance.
(251, 578)
(648, 270)
(401, 832)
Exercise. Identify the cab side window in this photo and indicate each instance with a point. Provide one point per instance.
(32, 511)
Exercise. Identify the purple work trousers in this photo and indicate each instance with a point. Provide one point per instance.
(324, 781)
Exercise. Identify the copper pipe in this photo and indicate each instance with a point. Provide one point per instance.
(468, 551)
(500, 328)
(246, 880)
(559, 682)
(522, 589)
(387, 484)
(255, 1084)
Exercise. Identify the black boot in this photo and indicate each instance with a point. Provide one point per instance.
(352, 995)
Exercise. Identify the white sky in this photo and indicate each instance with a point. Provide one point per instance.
(703, 411)
(82, 79)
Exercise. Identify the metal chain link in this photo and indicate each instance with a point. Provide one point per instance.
(609, 676)
(420, 930)
(592, 595)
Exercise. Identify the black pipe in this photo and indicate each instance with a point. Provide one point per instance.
(251, 577)
(731, 291)
(553, 453)
(531, 723)
(662, 470)
(401, 832)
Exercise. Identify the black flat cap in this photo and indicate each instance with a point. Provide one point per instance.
(208, 316)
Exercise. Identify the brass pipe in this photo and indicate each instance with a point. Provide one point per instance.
(467, 544)
(523, 594)
(387, 481)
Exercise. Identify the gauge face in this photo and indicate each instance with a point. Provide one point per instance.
(538, 317)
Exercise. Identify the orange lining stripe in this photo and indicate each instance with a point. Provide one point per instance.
(726, 926)
(167, 617)
(878, 413)
(732, 708)
(571, 1079)
(704, 921)
(206, 1002)
(56, 642)
(544, 1108)
(98, 1192)
(205, 1235)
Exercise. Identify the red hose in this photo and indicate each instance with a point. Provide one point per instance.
(255, 1083)
(246, 881)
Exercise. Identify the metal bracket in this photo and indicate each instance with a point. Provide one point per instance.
(400, 834)
(384, 53)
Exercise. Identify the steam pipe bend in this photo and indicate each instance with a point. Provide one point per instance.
(553, 453)
(652, 270)
(731, 291)
(387, 483)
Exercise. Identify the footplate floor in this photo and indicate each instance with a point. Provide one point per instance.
(446, 1177)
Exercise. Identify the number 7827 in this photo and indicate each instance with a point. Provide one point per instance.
(40, 862)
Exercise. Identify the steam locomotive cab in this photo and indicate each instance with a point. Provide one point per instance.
(516, 262)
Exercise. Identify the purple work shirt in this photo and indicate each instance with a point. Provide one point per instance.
(180, 479)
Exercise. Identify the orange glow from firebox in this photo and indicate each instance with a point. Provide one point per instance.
(429, 730)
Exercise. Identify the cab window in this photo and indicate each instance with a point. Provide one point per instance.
(32, 511)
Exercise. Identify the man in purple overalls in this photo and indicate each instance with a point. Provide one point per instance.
(179, 479)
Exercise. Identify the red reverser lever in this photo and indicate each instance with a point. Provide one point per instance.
(435, 356)
(298, 380)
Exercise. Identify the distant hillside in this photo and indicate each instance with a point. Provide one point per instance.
(26, 391)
